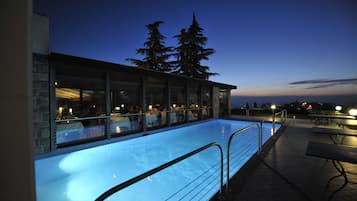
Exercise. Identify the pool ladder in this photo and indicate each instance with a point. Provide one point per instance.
(138, 178)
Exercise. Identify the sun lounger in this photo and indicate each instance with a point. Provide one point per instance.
(336, 153)
(331, 132)
(326, 118)
(340, 153)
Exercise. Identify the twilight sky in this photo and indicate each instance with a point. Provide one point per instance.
(266, 48)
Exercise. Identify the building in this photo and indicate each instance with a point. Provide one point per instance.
(79, 100)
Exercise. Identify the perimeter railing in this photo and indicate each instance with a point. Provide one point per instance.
(74, 129)
(129, 182)
(140, 177)
(283, 118)
(259, 125)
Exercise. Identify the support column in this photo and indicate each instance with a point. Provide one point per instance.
(186, 102)
(200, 102)
(168, 95)
(143, 102)
(229, 102)
(215, 102)
(53, 104)
(107, 105)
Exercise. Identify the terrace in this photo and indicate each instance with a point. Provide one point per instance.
(288, 174)
(287, 155)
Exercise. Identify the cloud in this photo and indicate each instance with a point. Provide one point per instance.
(324, 83)
(321, 86)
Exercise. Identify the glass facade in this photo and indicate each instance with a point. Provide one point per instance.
(95, 103)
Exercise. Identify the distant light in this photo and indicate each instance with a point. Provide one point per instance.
(122, 105)
(338, 107)
(353, 112)
(273, 107)
(309, 107)
(196, 105)
(93, 106)
(117, 108)
(70, 110)
(150, 107)
(60, 109)
(174, 105)
(56, 83)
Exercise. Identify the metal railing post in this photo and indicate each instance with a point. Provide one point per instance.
(273, 123)
(229, 146)
(260, 138)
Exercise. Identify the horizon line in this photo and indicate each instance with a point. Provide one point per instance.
(295, 95)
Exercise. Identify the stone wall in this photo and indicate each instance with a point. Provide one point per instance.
(41, 104)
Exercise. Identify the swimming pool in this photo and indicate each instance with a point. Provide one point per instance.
(84, 175)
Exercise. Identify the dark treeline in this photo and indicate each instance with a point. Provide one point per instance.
(187, 56)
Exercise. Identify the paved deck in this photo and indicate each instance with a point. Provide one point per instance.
(303, 173)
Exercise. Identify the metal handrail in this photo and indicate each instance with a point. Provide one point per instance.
(82, 118)
(283, 114)
(283, 117)
(127, 115)
(259, 125)
(99, 117)
(161, 167)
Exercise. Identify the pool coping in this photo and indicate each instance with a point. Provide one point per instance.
(88, 145)
(79, 147)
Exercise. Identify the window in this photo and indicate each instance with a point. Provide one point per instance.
(206, 103)
(156, 103)
(194, 104)
(178, 105)
(80, 109)
(126, 108)
(223, 102)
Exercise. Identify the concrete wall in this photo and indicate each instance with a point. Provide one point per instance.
(41, 104)
(40, 34)
(17, 166)
(215, 102)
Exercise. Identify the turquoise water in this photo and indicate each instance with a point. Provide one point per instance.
(84, 175)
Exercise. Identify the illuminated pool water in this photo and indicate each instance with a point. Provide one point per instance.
(84, 175)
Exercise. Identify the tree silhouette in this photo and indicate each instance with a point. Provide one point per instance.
(155, 52)
(183, 65)
(190, 52)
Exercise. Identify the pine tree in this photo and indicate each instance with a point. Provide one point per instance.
(183, 66)
(155, 52)
(191, 52)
